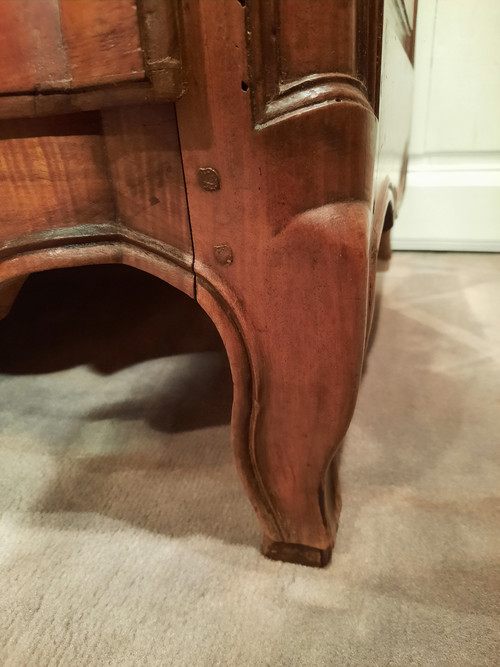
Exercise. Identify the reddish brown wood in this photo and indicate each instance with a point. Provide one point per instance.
(103, 53)
(293, 156)
(16, 263)
(294, 212)
(145, 166)
(31, 49)
(53, 173)
(26, 106)
(59, 44)
(101, 40)
(326, 41)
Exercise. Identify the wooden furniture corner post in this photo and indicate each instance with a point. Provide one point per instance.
(288, 192)
(253, 159)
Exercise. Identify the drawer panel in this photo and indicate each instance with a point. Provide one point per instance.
(102, 52)
(102, 41)
(117, 169)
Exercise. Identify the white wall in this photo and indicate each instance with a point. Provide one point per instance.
(452, 200)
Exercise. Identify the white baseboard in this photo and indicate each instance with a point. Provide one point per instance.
(452, 203)
(445, 245)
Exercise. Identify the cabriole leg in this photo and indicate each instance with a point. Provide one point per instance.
(305, 341)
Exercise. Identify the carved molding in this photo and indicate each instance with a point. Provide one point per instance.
(160, 39)
(110, 243)
(345, 66)
(88, 236)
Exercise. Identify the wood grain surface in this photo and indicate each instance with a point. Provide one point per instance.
(31, 48)
(292, 170)
(294, 209)
(53, 173)
(146, 171)
(61, 56)
(102, 41)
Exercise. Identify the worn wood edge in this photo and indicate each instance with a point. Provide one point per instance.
(169, 88)
(102, 232)
(226, 313)
(301, 554)
(159, 27)
(298, 554)
(95, 244)
(311, 93)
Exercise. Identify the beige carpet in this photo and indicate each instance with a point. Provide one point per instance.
(126, 538)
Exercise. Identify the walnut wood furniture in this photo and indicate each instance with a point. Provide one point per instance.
(249, 153)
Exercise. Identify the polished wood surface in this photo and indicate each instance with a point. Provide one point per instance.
(142, 147)
(101, 42)
(30, 46)
(65, 55)
(53, 174)
(295, 213)
(263, 193)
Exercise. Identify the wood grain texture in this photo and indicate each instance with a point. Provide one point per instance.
(326, 41)
(294, 207)
(329, 59)
(27, 106)
(18, 263)
(160, 32)
(105, 53)
(146, 170)
(102, 41)
(286, 212)
(53, 173)
(31, 49)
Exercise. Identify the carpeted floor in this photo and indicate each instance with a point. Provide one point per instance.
(126, 537)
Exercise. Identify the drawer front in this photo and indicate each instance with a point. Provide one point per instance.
(104, 52)
(98, 172)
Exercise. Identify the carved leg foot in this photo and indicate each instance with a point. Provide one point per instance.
(304, 343)
(309, 555)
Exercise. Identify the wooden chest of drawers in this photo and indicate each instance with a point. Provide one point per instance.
(249, 153)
